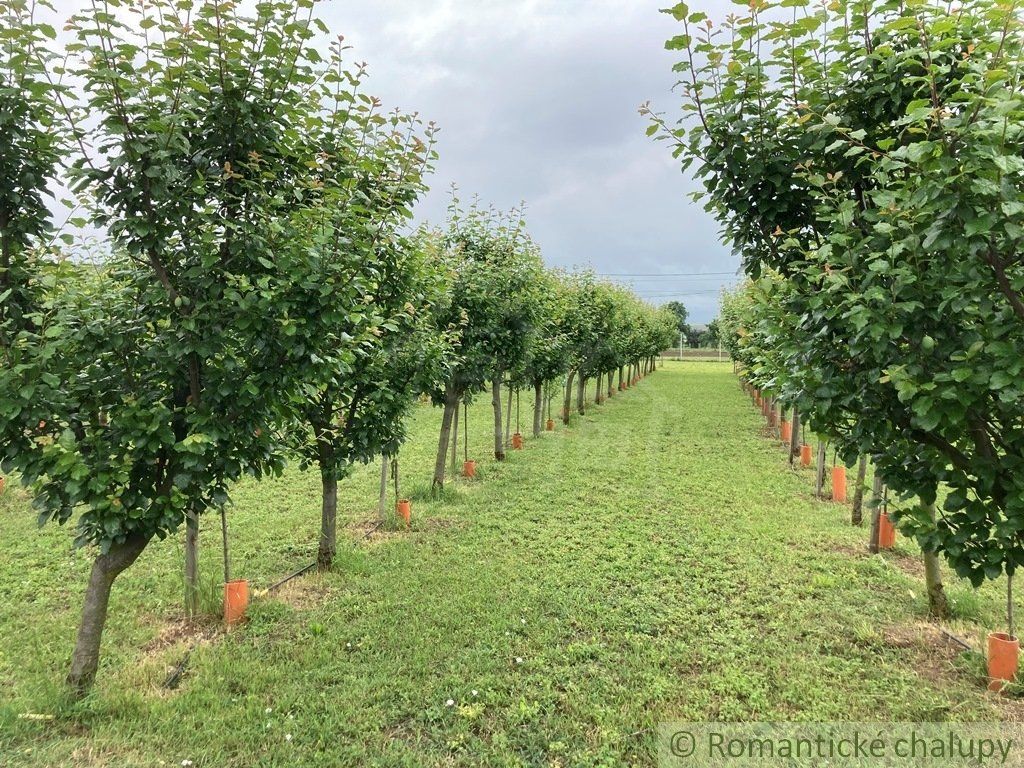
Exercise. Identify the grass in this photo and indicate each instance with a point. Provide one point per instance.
(656, 560)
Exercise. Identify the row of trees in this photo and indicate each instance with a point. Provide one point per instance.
(263, 299)
(513, 326)
(865, 160)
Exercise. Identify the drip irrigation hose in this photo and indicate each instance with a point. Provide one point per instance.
(962, 643)
(304, 569)
(173, 679)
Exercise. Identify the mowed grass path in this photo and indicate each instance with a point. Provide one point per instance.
(657, 560)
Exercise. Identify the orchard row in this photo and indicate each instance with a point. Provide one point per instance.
(263, 298)
(865, 160)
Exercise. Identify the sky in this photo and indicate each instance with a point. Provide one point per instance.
(537, 102)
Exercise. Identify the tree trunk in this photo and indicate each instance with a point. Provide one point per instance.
(794, 440)
(499, 441)
(382, 501)
(105, 568)
(192, 563)
(538, 407)
(598, 392)
(568, 398)
(328, 521)
(938, 605)
(876, 511)
(857, 515)
(581, 395)
(819, 480)
(451, 402)
(620, 377)
(611, 383)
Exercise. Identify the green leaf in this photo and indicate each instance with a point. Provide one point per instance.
(679, 11)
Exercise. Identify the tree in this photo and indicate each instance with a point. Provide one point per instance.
(579, 323)
(368, 292)
(547, 358)
(30, 146)
(597, 353)
(488, 312)
(360, 412)
(652, 332)
(622, 314)
(678, 309)
(852, 179)
(710, 337)
(159, 378)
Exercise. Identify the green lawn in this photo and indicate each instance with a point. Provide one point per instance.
(657, 560)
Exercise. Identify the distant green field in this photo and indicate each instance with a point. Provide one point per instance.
(656, 560)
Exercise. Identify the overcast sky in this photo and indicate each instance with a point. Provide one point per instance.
(537, 102)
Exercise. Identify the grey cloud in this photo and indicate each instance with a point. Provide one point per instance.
(537, 101)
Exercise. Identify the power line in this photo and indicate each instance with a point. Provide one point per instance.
(680, 294)
(664, 274)
(672, 285)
